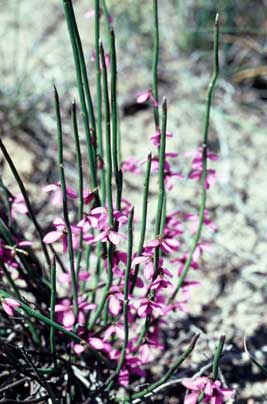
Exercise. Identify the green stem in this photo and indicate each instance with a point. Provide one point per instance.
(90, 150)
(217, 357)
(109, 193)
(144, 218)
(83, 72)
(80, 177)
(52, 309)
(108, 137)
(114, 115)
(204, 159)
(26, 200)
(169, 373)
(125, 300)
(99, 100)
(155, 61)
(65, 206)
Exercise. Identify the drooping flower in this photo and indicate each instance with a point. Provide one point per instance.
(9, 304)
(145, 96)
(155, 138)
(130, 165)
(56, 198)
(18, 205)
(61, 234)
(65, 314)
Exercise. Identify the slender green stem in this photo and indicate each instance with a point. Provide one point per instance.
(155, 61)
(108, 137)
(169, 373)
(33, 313)
(90, 150)
(217, 357)
(204, 159)
(7, 201)
(161, 191)
(99, 100)
(125, 300)
(114, 115)
(144, 218)
(52, 308)
(104, 296)
(80, 177)
(65, 206)
(83, 72)
(159, 218)
(26, 200)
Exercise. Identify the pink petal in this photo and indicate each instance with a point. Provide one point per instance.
(52, 236)
(114, 237)
(96, 343)
(68, 319)
(139, 260)
(114, 305)
(7, 309)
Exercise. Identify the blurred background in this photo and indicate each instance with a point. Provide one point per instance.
(35, 53)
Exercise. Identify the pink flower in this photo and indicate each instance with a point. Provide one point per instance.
(115, 329)
(88, 196)
(210, 177)
(161, 281)
(56, 198)
(213, 392)
(146, 307)
(167, 244)
(65, 314)
(108, 235)
(130, 165)
(18, 205)
(182, 262)
(146, 96)
(194, 217)
(155, 138)
(147, 258)
(9, 304)
(115, 300)
(61, 234)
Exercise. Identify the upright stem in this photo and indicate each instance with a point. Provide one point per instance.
(155, 61)
(144, 218)
(84, 73)
(217, 357)
(125, 300)
(92, 166)
(52, 309)
(104, 296)
(114, 115)
(65, 206)
(99, 100)
(80, 179)
(108, 137)
(204, 158)
(161, 191)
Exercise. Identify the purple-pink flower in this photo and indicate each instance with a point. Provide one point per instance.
(213, 391)
(145, 96)
(9, 304)
(56, 198)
